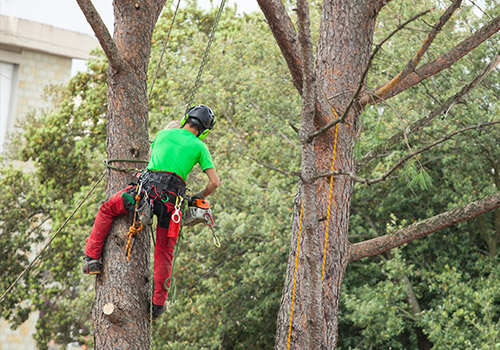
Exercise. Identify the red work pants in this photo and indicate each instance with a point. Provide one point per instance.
(164, 249)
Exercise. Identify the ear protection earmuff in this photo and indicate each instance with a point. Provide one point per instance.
(204, 134)
(184, 120)
(206, 113)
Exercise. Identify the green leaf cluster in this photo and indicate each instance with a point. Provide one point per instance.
(451, 274)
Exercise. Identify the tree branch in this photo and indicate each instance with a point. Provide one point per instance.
(340, 172)
(238, 135)
(286, 37)
(402, 160)
(381, 91)
(419, 124)
(413, 154)
(102, 34)
(382, 3)
(442, 62)
(423, 228)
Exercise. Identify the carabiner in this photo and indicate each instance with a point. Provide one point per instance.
(216, 241)
(209, 220)
(176, 216)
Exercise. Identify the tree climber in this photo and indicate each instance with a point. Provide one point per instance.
(174, 154)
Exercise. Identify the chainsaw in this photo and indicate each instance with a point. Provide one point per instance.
(198, 210)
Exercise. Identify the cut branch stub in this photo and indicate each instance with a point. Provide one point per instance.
(112, 312)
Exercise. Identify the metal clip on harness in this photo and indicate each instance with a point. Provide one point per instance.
(176, 216)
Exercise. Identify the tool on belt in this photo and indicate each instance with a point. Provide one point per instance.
(198, 211)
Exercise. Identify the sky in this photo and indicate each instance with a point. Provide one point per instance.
(66, 13)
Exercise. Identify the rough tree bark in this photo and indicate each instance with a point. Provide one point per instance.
(122, 286)
(343, 51)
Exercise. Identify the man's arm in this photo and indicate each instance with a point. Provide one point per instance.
(213, 183)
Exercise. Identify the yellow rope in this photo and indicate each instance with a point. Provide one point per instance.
(326, 237)
(295, 278)
(329, 199)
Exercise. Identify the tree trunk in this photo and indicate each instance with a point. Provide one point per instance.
(126, 285)
(343, 51)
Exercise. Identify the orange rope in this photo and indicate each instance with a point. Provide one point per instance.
(329, 199)
(326, 237)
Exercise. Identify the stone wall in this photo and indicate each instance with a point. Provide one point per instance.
(19, 339)
(36, 71)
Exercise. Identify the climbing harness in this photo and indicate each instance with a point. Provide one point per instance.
(152, 185)
(326, 236)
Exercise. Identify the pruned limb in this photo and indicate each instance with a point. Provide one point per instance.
(423, 228)
(419, 124)
(410, 66)
(102, 33)
(361, 82)
(382, 3)
(286, 37)
(442, 62)
(112, 312)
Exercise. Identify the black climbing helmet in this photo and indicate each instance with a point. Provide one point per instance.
(204, 115)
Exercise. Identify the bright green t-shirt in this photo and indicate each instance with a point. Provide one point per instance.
(178, 151)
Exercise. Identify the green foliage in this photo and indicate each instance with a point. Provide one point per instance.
(65, 150)
(451, 272)
(466, 315)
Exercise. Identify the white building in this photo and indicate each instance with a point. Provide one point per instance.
(32, 56)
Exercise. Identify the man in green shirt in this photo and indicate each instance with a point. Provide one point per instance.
(174, 154)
